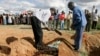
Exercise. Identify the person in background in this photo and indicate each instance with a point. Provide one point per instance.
(61, 18)
(78, 24)
(21, 18)
(51, 19)
(24, 18)
(94, 17)
(50, 22)
(28, 19)
(1, 19)
(69, 20)
(17, 19)
(56, 20)
(4, 19)
(14, 22)
(88, 18)
(10, 20)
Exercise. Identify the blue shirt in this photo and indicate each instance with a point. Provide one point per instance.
(79, 18)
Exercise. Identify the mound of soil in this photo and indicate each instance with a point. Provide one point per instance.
(14, 42)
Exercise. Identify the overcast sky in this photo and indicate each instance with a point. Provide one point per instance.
(59, 4)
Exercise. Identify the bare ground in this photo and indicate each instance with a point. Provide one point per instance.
(18, 41)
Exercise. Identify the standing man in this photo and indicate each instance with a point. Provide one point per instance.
(1, 19)
(56, 19)
(37, 30)
(10, 19)
(69, 20)
(78, 24)
(36, 18)
(88, 18)
(4, 19)
(94, 17)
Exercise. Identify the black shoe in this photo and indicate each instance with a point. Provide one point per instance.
(76, 50)
(75, 47)
(38, 45)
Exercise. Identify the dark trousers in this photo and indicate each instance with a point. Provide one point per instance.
(37, 30)
(88, 27)
(79, 37)
(94, 24)
(57, 22)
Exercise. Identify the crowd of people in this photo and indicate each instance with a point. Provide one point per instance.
(92, 19)
(64, 21)
(57, 20)
(11, 19)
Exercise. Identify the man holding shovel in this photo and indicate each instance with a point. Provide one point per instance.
(78, 24)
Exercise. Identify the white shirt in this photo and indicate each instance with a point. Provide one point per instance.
(4, 17)
(94, 15)
(9, 19)
(43, 14)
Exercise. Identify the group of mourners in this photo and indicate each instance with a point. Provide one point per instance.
(92, 19)
(12, 19)
(57, 20)
(62, 21)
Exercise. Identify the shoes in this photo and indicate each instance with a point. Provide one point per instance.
(75, 47)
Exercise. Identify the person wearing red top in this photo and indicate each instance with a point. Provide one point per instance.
(62, 17)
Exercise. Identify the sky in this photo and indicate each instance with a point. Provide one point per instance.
(20, 5)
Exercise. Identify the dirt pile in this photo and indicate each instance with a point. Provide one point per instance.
(92, 44)
(17, 47)
(91, 47)
(21, 45)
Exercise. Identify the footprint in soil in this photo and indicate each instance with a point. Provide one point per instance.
(11, 39)
(30, 40)
(5, 49)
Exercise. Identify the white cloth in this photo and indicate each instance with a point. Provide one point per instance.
(24, 16)
(4, 20)
(10, 19)
(43, 14)
(55, 44)
(94, 15)
(4, 17)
